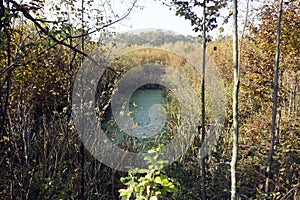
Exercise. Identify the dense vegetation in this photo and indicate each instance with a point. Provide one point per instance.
(153, 38)
(42, 157)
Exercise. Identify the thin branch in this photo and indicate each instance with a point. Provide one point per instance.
(244, 29)
(109, 24)
(48, 21)
(61, 42)
(15, 64)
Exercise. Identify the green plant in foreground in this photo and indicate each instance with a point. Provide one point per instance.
(151, 183)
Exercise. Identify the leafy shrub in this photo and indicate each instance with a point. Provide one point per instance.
(151, 183)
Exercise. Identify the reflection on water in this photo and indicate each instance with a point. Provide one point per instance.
(147, 109)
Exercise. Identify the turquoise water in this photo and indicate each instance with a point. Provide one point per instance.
(146, 109)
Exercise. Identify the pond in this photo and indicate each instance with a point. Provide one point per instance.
(148, 112)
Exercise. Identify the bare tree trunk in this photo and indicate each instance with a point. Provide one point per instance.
(5, 111)
(81, 145)
(235, 103)
(203, 102)
(295, 94)
(274, 111)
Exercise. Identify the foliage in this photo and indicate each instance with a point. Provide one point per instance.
(153, 38)
(189, 10)
(137, 57)
(39, 147)
(151, 183)
(40, 155)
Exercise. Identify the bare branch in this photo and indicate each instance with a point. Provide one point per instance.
(61, 42)
(109, 24)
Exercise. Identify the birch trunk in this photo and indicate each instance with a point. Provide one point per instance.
(235, 103)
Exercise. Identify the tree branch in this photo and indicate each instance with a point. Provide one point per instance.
(61, 42)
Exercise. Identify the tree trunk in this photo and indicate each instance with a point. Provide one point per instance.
(203, 102)
(82, 145)
(274, 111)
(235, 103)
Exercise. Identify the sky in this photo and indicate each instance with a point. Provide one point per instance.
(154, 15)
(150, 14)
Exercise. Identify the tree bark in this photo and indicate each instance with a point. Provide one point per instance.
(82, 145)
(203, 102)
(274, 111)
(235, 104)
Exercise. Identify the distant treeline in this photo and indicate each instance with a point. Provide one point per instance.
(153, 38)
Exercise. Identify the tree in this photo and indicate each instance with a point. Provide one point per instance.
(153, 37)
(203, 101)
(235, 97)
(258, 87)
(35, 75)
(208, 21)
(274, 111)
(255, 101)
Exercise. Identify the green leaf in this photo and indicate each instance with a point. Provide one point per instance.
(126, 180)
(171, 188)
(142, 171)
(151, 151)
(158, 193)
(153, 198)
(126, 192)
(139, 189)
(158, 180)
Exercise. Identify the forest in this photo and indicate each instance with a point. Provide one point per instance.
(226, 107)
